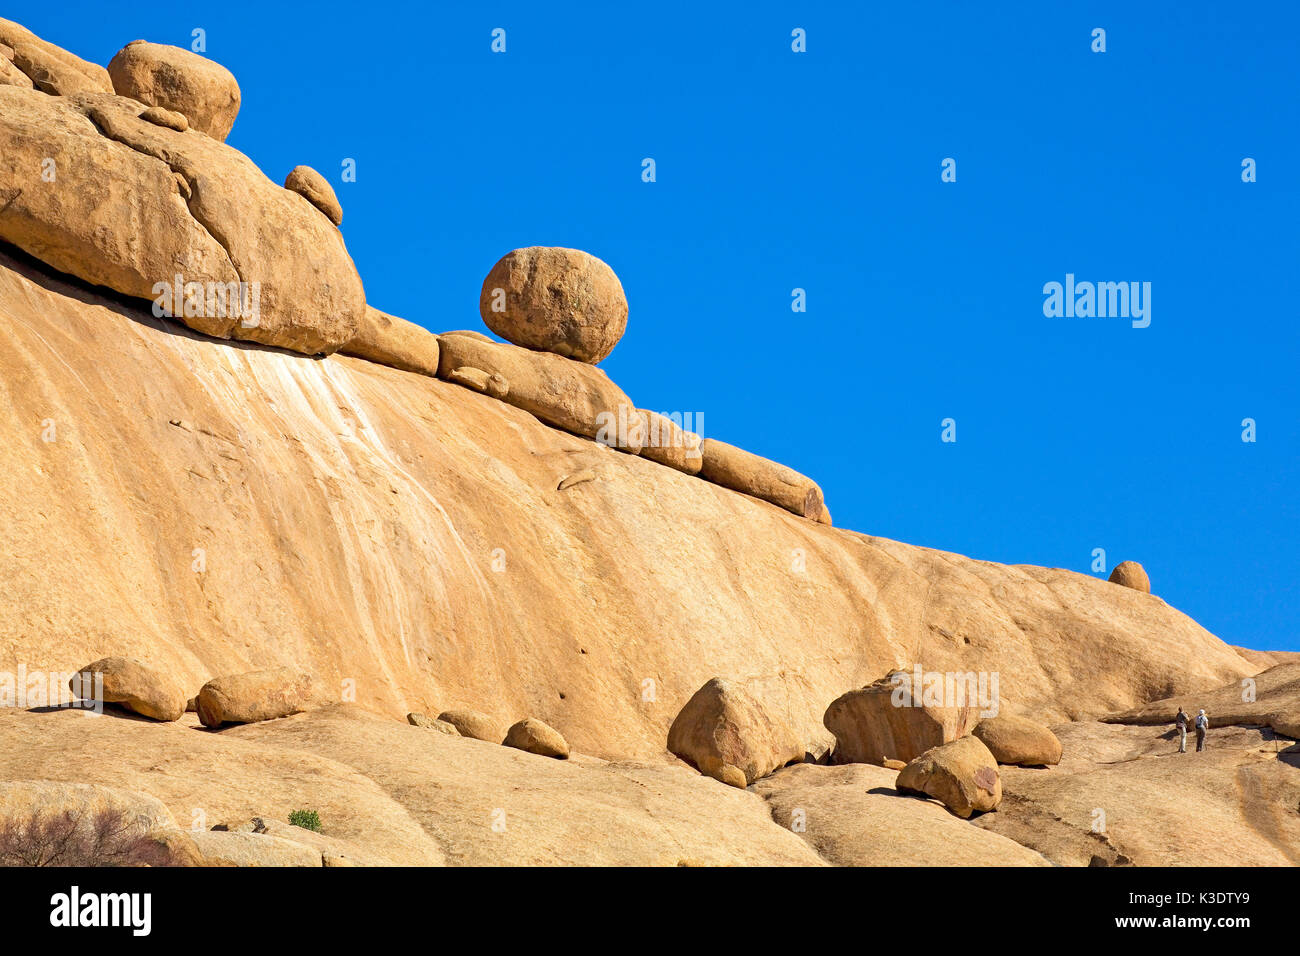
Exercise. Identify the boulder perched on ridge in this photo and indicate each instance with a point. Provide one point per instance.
(890, 719)
(536, 737)
(177, 79)
(1017, 740)
(750, 474)
(395, 342)
(1131, 575)
(555, 300)
(252, 697)
(134, 684)
(315, 188)
(669, 444)
(225, 250)
(561, 392)
(728, 734)
(961, 774)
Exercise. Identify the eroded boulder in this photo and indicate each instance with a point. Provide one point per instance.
(728, 734)
(1017, 740)
(536, 737)
(1131, 575)
(141, 687)
(180, 80)
(314, 188)
(555, 300)
(476, 724)
(561, 392)
(49, 68)
(394, 342)
(669, 444)
(751, 474)
(961, 774)
(254, 696)
(889, 719)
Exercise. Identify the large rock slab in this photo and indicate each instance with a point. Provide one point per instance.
(962, 775)
(728, 734)
(561, 392)
(210, 217)
(557, 300)
(890, 719)
(852, 816)
(180, 80)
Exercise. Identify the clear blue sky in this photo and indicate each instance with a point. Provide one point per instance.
(821, 171)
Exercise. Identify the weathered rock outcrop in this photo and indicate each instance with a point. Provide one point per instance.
(180, 80)
(53, 70)
(726, 733)
(962, 775)
(475, 724)
(1271, 699)
(229, 253)
(257, 695)
(1015, 740)
(891, 719)
(555, 300)
(394, 342)
(136, 685)
(669, 444)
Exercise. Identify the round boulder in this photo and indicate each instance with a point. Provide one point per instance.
(148, 691)
(1131, 575)
(555, 300)
(1015, 740)
(475, 724)
(962, 775)
(178, 80)
(314, 188)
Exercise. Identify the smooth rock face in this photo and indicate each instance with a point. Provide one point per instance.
(233, 848)
(561, 392)
(555, 300)
(890, 720)
(138, 686)
(669, 444)
(210, 216)
(23, 799)
(403, 487)
(475, 724)
(746, 472)
(1016, 740)
(54, 70)
(313, 187)
(394, 342)
(962, 775)
(535, 737)
(257, 695)
(726, 733)
(1131, 575)
(177, 79)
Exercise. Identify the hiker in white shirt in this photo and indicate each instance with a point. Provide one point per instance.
(1202, 725)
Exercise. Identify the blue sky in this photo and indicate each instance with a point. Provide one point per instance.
(821, 171)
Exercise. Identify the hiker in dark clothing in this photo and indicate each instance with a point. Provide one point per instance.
(1181, 723)
(1202, 725)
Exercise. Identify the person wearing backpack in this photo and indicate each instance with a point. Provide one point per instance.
(1181, 723)
(1202, 725)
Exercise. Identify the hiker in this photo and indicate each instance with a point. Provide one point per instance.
(1202, 725)
(1181, 723)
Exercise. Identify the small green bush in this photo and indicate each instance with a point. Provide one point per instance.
(307, 819)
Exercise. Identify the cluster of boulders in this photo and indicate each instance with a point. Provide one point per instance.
(944, 752)
(529, 735)
(139, 149)
(232, 699)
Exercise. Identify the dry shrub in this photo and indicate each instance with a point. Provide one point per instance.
(76, 838)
